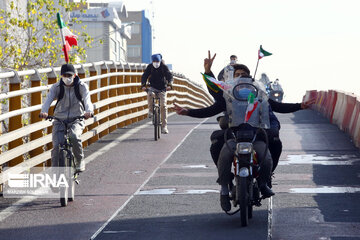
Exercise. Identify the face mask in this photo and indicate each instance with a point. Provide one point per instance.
(232, 61)
(156, 64)
(67, 81)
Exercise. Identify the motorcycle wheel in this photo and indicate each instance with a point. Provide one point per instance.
(243, 197)
(251, 195)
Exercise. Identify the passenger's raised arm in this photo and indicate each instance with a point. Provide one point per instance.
(208, 62)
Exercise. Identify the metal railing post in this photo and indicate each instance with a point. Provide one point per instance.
(34, 116)
(94, 98)
(104, 82)
(51, 79)
(16, 121)
(144, 98)
(81, 72)
(127, 92)
(121, 91)
(135, 89)
(113, 93)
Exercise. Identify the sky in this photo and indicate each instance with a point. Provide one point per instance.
(315, 43)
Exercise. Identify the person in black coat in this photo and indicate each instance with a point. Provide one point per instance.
(160, 80)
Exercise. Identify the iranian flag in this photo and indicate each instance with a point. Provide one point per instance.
(263, 53)
(214, 84)
(67, 37)
(251, 106)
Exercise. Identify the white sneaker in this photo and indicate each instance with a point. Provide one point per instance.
(164, 130)
(150, 114)
(81, 168)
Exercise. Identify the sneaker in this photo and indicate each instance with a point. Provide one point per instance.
(81, 168)
(266, 192)
(269, 183)
(150, 114)
(225, 202)
(164, 130)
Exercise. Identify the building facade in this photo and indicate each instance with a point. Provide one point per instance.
(140, 44)
(105, 27)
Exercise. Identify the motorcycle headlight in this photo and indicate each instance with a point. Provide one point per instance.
(276, 94)
(244, 148)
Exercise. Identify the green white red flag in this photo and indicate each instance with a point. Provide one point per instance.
(214, 84)
(263, 53)
(67, 37)
(252, 105)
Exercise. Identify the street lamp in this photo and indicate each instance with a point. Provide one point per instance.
(126, 30)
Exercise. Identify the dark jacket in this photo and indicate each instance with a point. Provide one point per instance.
(220, 105)
(159, 78)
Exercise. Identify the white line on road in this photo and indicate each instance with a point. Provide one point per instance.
(314, 159)
(326, 189)
(7, 212)
(142, 185)
(270, 217)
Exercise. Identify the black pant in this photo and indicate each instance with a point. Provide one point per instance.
(226, 158)
(275, 145)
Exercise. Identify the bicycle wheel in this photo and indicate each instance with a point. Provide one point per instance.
(63, 166)
(71, 171)
(155, 124)
(159, 122)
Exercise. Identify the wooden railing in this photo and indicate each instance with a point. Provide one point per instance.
(115, 93)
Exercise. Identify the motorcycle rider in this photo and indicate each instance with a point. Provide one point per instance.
(275, 144)
(226, 156)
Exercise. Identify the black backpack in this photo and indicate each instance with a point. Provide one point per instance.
(76, 89)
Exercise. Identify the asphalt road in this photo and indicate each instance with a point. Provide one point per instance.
(136, 188)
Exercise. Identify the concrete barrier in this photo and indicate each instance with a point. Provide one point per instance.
(341, 108)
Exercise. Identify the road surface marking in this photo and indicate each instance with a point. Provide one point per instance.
(320, 160)
(326, 189)
(145, 182)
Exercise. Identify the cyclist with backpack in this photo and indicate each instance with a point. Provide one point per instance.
(73, 100)
(160, 79)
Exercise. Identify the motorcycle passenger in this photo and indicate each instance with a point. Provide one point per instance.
(225, 160)
(73, 100)
(233, 60)
(160, 79)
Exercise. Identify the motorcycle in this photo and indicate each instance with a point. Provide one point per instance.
(276, 93)
(244, 190)
(273, 89)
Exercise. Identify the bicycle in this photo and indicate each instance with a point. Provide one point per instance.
(67, 162)
(156, 110)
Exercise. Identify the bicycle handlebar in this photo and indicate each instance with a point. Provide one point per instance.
(50, 118)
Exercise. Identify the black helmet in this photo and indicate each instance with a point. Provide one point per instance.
(67, 69)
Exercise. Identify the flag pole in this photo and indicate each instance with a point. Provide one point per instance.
(66, 55)
(257, 64)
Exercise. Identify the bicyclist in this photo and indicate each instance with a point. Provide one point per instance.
(160, 79)
(73, 100)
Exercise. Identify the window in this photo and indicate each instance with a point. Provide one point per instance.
(135, 29)
(113, 45)
(134, 51)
